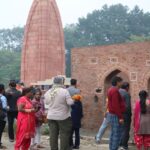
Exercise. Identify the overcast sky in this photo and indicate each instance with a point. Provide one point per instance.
(15, 12)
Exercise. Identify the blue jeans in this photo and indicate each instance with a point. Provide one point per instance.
(115, 135)
(102, 129)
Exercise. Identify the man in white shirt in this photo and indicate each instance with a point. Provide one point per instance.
(59, 101)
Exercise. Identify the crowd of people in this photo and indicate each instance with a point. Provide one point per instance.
(119, 116)
(65, 112)
(27, 106)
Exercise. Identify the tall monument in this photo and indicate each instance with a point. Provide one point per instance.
(43, 54)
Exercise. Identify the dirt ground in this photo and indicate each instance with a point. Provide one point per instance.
(87, 143)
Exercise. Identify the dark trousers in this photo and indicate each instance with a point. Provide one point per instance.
(2, 126)
(12, 115)
(77, 136)
(125, 131)
(62, 128)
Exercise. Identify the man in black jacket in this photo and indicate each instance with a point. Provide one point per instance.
(124, 91)
(12, 95)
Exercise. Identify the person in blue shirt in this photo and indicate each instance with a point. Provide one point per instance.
(4, 108)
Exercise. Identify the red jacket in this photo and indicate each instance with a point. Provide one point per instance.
(116, 103)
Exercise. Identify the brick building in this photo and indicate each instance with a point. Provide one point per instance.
(94, 68)
(43, 54)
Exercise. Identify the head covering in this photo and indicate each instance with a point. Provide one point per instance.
(77, 97)
(59, 80)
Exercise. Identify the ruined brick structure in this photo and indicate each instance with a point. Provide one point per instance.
(94, 68)
(43, 53)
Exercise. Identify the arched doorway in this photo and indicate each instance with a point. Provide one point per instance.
(107, 82)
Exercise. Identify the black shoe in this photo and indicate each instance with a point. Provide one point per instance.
(76, 147)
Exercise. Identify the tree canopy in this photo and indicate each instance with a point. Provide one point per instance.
(11, 39)
(114, 24)
(9, 65)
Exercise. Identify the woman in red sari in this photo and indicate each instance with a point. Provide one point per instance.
(25, 120)
(142, 121)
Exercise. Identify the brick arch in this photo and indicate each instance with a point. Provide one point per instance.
(102, 79)
(110, 69)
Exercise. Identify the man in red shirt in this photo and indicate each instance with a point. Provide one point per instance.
(116, 107)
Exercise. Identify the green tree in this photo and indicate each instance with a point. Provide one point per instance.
(135, 38)
(9, 65)
(113, 24)
(70, 42)
(139, 22)
(11, 39)
(105, 26)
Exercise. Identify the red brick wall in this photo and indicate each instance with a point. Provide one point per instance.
(92, 65)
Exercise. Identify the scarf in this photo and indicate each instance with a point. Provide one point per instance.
(54, 91)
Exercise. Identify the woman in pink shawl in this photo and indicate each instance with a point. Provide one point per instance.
(25, 120)
(142, 121)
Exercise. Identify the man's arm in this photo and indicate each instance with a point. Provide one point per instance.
(47, 98)
(128, 103)
(69, 100)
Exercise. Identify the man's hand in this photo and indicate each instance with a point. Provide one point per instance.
(121, 121)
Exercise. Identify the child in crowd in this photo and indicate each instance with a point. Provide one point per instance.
(76, 115)
(39, 116)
